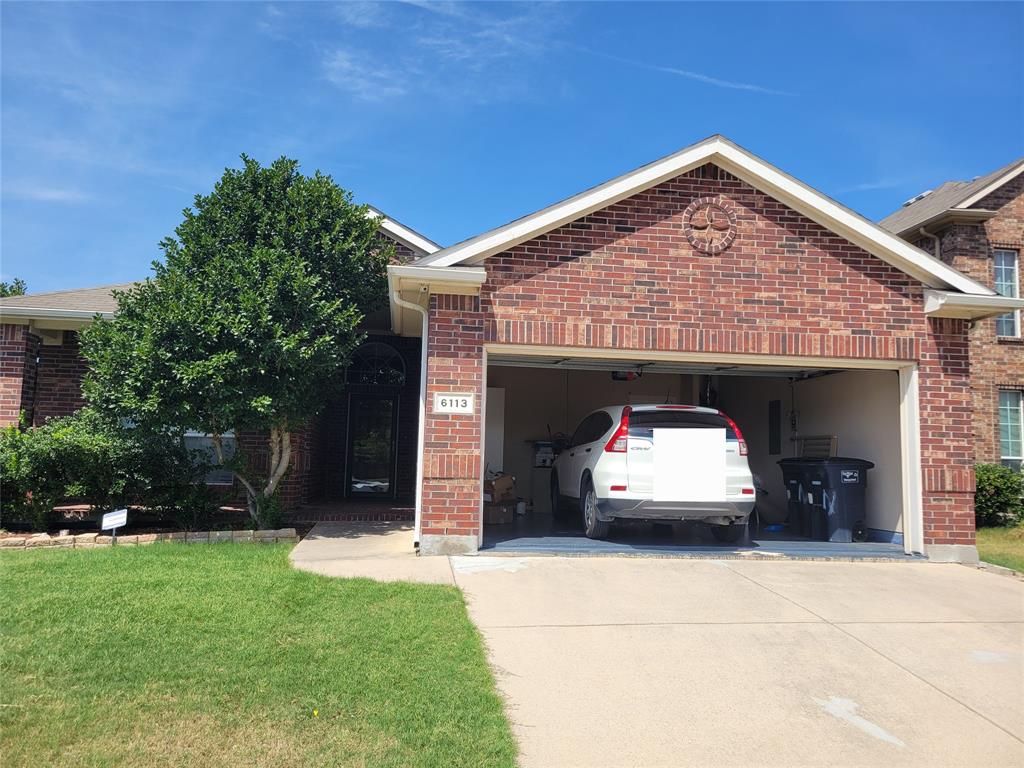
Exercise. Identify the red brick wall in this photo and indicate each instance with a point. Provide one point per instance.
(947, 450)
(995, 363)
(51, 387)
(294, 487)
(60, 372)
(451, 473)
(13, 347)
(627, 278)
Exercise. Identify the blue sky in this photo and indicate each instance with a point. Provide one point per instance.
(455, 118)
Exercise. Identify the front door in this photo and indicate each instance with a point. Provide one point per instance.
(372, 426)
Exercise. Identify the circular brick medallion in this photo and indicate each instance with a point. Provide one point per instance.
(709, 224)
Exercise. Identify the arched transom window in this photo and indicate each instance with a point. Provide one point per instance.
(376, 364)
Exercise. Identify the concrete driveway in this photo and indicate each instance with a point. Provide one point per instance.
(668, 662)
(620, 661)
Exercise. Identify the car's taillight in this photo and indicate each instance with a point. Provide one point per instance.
(739, 435)
(617, 443)
(747, 491)
(675, 407)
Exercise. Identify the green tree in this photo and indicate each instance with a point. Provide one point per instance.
(16, 287)
(250, 320)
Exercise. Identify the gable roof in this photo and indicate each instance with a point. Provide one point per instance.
(740, 163)
(84, 302)
(410, 238)
(949, 198)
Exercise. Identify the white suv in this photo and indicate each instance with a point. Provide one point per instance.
(614, 468)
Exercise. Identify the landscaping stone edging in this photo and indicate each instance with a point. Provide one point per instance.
(93, 540)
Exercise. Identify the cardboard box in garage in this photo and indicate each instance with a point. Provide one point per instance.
(500, 513)
(500, 489)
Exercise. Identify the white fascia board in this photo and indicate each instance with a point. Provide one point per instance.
(50, 313)
(968, 306)
(435, 275)
(844, 222)
(497, 240)
(427, 280)
(744, 165)
(990, 188)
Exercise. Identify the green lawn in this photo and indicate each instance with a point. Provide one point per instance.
(222, 655)
(1002, 546)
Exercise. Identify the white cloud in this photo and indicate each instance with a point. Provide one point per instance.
(362, 15)
(699, 77)
(870, 186)
(473, 52)
(41, 193)
(362, 77)
(451, 51)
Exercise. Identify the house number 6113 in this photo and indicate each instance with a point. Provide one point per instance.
(453, 402)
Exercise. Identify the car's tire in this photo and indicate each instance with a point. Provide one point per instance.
(592, 526)
(728, 534)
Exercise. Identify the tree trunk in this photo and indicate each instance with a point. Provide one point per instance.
(281, 456)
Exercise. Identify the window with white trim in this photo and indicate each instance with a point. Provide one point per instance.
(1007, 283)
(1011, 428)
(197, 441)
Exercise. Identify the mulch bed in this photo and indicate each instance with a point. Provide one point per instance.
(79, 518)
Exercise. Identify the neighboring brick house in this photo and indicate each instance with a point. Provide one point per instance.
(977, 227)
(708, 275)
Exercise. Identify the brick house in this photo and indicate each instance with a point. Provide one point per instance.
(708, 275)
(977, 227)
(41, 374)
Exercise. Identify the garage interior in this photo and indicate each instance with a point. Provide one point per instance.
(782, 411)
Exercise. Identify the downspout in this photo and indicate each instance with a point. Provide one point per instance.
(421, 431)
(935, 239)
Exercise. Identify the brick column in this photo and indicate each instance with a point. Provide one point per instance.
(14, 343)
(450, 522)
(947, 448)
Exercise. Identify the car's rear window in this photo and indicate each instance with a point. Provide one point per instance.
(641, 423)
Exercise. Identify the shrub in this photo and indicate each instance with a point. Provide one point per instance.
(31, 479)
(999, 497)
(91, 458)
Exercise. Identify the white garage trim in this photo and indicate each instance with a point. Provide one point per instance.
(910, 415)
(483, 443)
(910, 452)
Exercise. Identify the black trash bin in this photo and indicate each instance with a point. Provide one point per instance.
(831, 498)
(795, 480)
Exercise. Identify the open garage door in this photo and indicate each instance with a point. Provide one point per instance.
(782, 410)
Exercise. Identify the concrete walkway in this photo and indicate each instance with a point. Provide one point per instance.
(665, 662)
(382, 551)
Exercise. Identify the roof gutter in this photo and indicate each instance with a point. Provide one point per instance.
(968, 306)
(426, 280)
(51, 313)
(950, 216)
